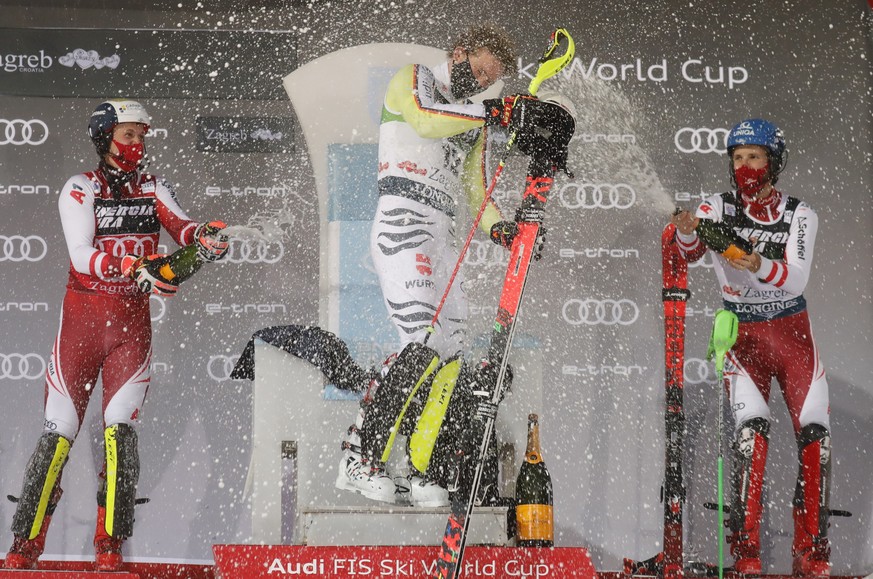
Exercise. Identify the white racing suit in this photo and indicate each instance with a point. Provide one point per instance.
(429, 147)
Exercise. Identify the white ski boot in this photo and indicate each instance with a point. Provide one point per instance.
(357, 474)
(427, 493)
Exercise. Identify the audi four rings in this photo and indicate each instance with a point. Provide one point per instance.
(701, 140)
(21, 366)
(697, 371)
(597, 196)
(593, 312)
(121, 246)
(249, 251)
(22, 248)
(485, 253)
(219, 367)
(21, 132)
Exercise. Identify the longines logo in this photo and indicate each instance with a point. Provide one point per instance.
(245, 134)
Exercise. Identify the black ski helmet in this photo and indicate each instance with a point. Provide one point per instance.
(110, 113)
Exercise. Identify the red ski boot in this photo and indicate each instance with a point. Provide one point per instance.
(23, 553)
(107, 549)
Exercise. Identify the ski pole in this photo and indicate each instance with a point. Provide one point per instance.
(549, 67)
(724, 335)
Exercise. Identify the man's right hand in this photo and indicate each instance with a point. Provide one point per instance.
(507, 110)
(685, 222)
(145, 272)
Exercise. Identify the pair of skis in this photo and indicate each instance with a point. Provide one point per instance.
(524, 247)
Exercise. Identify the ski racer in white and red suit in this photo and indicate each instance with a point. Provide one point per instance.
(432, 159)
(765, 290)
(111, 218)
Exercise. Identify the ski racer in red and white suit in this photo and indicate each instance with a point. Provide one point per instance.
(111, 218)
(765, 290)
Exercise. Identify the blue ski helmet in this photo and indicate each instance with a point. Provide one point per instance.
(763, 133)
(110, 113)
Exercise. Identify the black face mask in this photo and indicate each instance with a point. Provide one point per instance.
(464, 83)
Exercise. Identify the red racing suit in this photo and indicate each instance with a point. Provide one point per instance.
(775, 340)
(105, 326)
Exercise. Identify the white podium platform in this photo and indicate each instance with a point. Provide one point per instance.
(296, 453)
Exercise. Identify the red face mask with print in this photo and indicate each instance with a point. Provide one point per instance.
(129, 156)
(751, 181)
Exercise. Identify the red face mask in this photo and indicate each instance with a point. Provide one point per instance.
(751, 181)
(129, 156)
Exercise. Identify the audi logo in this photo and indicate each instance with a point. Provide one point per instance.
(597, 196)
(688, 140)
(219, 367)
(21, 132)
(593, 312)
(485, 253)
(21, 366)
(129, 244)
(254, 251)
(22, 248)
(161, 307)
(697, 371)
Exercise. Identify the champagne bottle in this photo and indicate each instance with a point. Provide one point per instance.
(181, 264)
(533, 494)
(721, 238)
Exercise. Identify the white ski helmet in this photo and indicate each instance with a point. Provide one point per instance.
(559, 99)
(110, 113)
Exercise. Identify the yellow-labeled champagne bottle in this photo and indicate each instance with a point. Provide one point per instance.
(722, 239)
(181, 264)
(533, 494)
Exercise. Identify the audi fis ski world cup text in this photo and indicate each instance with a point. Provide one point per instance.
(693, 70)
(362, 567)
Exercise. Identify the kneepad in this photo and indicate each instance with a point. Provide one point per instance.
(41, 491)
(396, 393)
(117, 492)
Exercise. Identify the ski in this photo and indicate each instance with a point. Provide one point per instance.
(674, 293)
(530, 218)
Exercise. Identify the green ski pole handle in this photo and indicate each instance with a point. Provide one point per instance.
(723, 337)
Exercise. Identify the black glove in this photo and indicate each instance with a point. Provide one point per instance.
(507, 110)
(503, 232)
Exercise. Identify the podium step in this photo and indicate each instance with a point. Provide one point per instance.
(397, 526)
(58, 574)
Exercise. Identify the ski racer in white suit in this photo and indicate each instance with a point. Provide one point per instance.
(431, 165)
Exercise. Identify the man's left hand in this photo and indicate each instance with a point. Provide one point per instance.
(211, 245)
